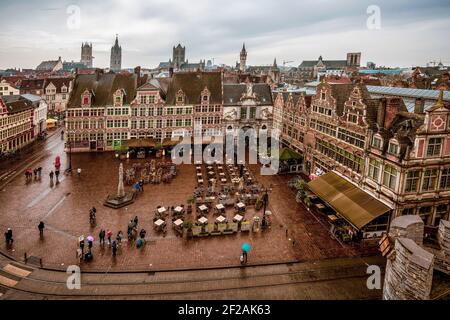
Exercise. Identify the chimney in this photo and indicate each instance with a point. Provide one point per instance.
(392, 109)
(381, 113)
(419, 106)
(97, 73)
(137, 72)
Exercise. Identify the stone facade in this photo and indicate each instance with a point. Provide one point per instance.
(401, 158)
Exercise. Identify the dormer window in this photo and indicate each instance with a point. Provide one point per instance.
(205, 96)
(180, 97)
(118, 98)
(63, 89)
(376, 142)
(393, 148)
(322, 96)
(86, 98)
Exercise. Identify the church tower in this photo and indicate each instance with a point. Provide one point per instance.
(116, 56)
(179, 56)
(243, 59)
(86, 55)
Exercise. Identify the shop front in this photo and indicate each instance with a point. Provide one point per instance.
(140, 148)
(353, 214)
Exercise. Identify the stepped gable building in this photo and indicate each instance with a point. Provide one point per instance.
(98, 111)
(116, 56)
(398, 157)
(56, 93)
(107, 111)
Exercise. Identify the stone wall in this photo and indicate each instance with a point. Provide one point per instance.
(442, 257)
(409, 226)
(409, 272)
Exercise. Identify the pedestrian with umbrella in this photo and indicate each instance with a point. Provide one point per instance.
(90, 240)
(245, 250)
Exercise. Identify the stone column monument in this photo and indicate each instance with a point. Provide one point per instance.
(120, 188)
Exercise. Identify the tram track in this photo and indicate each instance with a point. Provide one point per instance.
(175, 287)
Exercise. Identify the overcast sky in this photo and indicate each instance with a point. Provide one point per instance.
(411, 32)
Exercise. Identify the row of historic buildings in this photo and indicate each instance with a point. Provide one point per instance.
(400, 157)
(106, 111)
(55, 91)
(22, 120)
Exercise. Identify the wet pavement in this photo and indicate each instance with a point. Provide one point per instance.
(64, 208)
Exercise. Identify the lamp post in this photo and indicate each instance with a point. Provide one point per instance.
(70, 156)
(265, 202)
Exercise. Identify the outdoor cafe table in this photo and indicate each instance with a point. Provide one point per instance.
(238, 218)
(223, 180)
(209, 167)
(240, 205)
(221, 174)
(203, 220)
(178, 209)
(199, 174)
(320, 206)
(211, 173)
(235, 180)
(200, 180)
(220, 167)
(220, 206)
(159, 222)
(161, 210)
(220, 219)
(178, 222)
(203, 207)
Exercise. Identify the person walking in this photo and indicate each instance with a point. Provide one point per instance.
(9, 237)
(244, 255)
(79, 255)
(142, 234)
(41, 227)
(35, 174)
(57, 175)
(90, 244)
(39, 171)
(101, 236)
(119, 237)
(108, 236)
(141, 185)
(136, 220)
(114, 248)
(82, 245)
(51, 175)
(79, 172)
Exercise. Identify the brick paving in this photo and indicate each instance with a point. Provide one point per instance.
(64, 209)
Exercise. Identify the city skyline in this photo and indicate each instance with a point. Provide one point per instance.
(287, 31)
